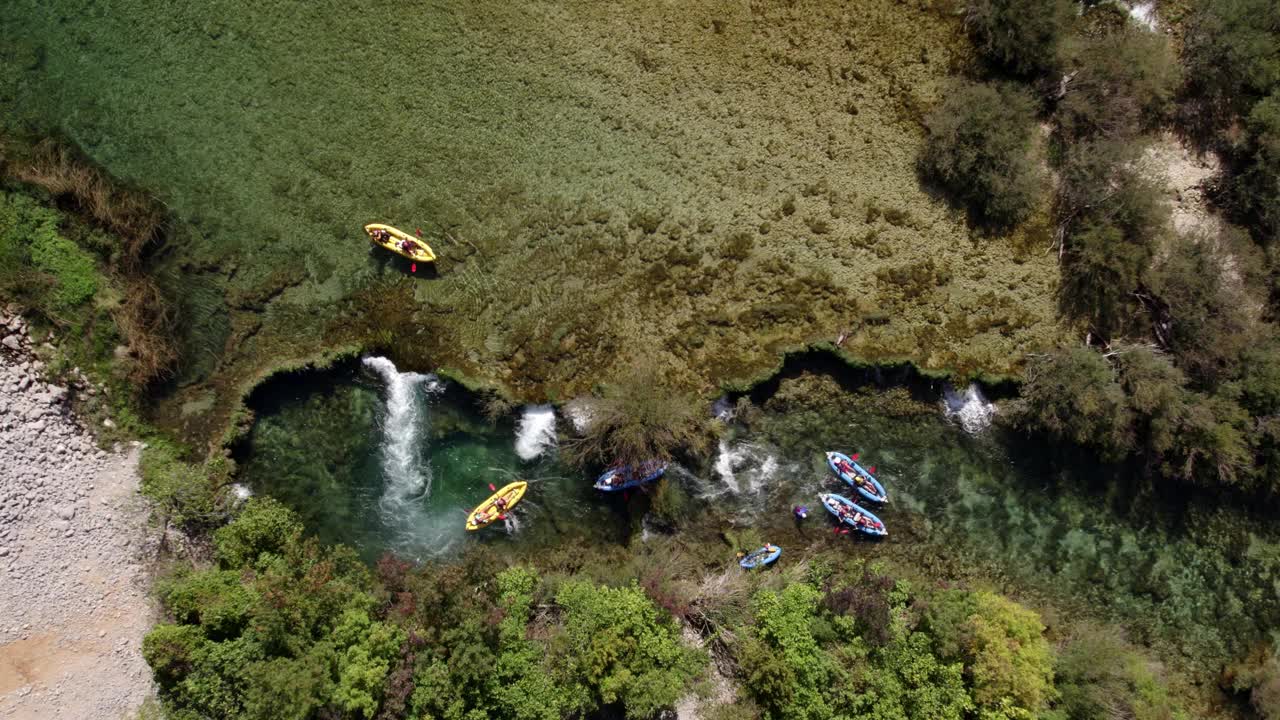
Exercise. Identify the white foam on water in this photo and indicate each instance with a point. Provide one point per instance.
(406, 473)
(722, 409)
(1144, 13)
(579, 413)
(743, 469)
(971, 409)
(536, 431)
(726, 459)
(241, 492)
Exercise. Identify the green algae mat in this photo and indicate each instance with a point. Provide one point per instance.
(704, 185)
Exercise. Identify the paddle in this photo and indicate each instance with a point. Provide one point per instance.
(855, 456)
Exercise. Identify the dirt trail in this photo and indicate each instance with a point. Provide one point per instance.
(74, 601)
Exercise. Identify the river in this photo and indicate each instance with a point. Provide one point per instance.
(389, 460)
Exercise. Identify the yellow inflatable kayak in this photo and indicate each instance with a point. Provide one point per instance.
(488, 511)
(399, 242)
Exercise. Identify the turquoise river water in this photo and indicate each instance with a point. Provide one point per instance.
(388, 460)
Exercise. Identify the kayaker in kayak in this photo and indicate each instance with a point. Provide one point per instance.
(501, 504)
(406, 245)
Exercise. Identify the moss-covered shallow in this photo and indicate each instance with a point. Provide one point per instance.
(711, 187)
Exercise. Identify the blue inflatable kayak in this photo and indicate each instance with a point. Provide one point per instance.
(848, 470)
(846, 511)
(761, 557)
(623, 478)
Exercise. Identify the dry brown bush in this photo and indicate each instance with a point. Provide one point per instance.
(129, 214)
(144, 318)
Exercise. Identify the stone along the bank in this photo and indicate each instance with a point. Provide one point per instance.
(73, 583)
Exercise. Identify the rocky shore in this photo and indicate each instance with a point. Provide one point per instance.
(74, 576)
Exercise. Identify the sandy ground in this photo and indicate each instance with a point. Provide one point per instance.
(74, 601)
(1184, 173)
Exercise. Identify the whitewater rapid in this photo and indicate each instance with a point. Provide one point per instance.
(972, 409)
(536, 431)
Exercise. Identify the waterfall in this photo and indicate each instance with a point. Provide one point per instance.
(406, 474)
(972, 409)
(536, 431)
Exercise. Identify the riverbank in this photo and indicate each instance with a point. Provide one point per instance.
(74, 554)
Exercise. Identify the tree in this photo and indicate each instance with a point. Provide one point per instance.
(617, 649)
(1231, 50)
(1099, 274)
(1120, 83)
(1020, 35)
(1074, 394)
(1210, 324)
(1256, 191)
(980, 149)
(1002, 645)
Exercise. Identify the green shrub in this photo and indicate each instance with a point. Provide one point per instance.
(637, 419)
(39, 264)
(980, 148)
(1021, 35)
(1007, 659)
(263, 526)
(185, 494)
(215, 600)
(1100, 676)
(172, 651)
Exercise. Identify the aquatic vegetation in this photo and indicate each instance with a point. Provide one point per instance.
(637, 420)
(578, 225)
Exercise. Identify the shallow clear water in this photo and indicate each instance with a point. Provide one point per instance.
(384, 460)
(1023, 516)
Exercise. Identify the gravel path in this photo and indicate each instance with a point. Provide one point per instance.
(74, 600)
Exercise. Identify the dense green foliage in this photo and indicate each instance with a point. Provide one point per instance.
(1008, 662)
(40, 265)
(1232, 54)
(184, 494)
(1020, 35)
(980, 149)
(285, 628)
